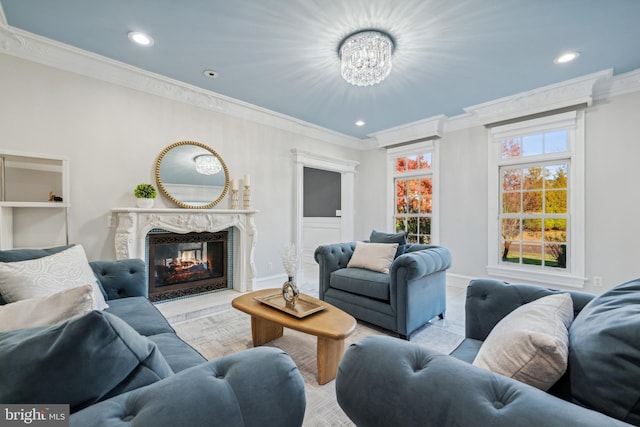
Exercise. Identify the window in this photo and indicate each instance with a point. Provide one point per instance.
(537, 195)
(412, 179)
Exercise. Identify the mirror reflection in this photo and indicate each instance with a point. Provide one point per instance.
(192, 175)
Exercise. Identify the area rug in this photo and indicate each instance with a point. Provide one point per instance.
(229, 331)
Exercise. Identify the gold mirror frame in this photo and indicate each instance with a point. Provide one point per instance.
(170, 196)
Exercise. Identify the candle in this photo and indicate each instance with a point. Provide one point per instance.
(247, 181)
(234, 184)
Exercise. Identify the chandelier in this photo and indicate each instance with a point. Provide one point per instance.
(366, 57)
(207, 164)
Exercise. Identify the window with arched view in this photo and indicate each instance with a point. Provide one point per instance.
(534, 210)
(413, 183)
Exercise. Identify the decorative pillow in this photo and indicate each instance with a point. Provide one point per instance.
(373, 256)
(399, 238)
(531, 344)
(379, 237)
(48, 275)
(42, 311)
(78, 362)
(605, 353)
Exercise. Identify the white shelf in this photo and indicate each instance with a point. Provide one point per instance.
(34, 205)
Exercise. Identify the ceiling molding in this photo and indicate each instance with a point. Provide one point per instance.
(31, 47)
(553, 97)
(429, 128)
(618, 85)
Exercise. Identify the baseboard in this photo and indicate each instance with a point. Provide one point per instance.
(276, 281)
(267, 282)
(458, 280)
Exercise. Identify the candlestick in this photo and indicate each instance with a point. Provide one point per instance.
(247, 181)
(246, 197)
(234, 184)
(235, 200)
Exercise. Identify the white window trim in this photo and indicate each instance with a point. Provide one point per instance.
(411, 149)
(573, 120)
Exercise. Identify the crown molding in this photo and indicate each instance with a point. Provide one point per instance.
(553, 97)
(621, 84)
(421, 130)
(25, 45)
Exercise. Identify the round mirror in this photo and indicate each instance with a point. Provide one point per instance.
(192, 175)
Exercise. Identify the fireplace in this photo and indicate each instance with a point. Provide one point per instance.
(135, 225)
(187, 264)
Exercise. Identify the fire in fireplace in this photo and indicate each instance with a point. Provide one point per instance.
(187, 264)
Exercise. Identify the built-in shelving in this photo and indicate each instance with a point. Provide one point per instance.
(28, 216)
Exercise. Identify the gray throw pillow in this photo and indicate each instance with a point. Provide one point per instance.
(79, 362)
(380, 237)
(604, 361)
(399, 238)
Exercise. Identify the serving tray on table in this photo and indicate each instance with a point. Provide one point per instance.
(303, 307)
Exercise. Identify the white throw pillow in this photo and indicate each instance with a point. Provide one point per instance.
(48, 275)
(373, 256)
(531, 344)
(43, 311)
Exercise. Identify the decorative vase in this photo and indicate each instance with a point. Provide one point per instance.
(145, 203)
(290, 292)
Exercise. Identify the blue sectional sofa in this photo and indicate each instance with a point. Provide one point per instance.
(409, 296)
(126, 366)
(385, 382)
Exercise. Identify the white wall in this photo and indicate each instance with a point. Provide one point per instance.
(113, 135)
(613, 191)
(371, 187)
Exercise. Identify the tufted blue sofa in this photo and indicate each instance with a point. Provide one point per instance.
(383, 381)
(402, 301)
(255, 387)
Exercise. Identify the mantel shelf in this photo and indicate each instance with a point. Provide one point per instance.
(184, 211)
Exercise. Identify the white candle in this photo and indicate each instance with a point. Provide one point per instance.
(234, 184)
(247, 181)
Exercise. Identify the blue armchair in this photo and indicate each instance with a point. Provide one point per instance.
(411, 294)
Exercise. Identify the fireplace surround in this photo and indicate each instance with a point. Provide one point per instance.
(133, 225)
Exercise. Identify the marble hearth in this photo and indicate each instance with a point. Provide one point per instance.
(133, 225)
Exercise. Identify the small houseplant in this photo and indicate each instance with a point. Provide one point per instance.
(145, 193)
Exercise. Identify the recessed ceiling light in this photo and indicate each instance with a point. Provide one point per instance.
(140, 38)
(360, 123)
(210, 73)
(566, 57)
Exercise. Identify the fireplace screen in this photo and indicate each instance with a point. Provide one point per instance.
(186, 264)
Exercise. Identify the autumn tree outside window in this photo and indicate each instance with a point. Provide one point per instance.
(413, 202)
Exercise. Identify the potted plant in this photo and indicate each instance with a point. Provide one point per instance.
(145, 193)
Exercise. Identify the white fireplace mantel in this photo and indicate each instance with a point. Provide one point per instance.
(133, 224)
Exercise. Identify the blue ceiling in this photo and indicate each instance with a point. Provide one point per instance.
(281, 55)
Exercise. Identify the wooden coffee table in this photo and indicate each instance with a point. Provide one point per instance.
(330, 325)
